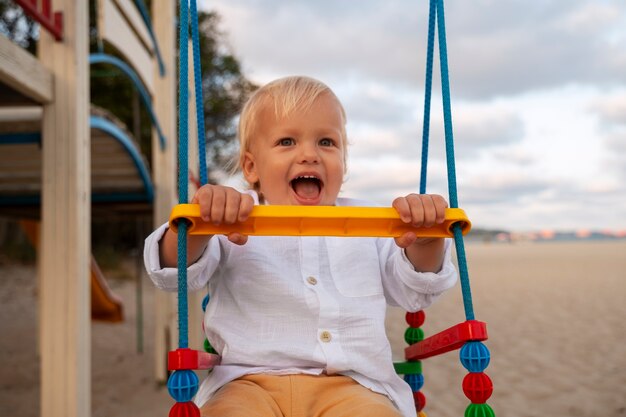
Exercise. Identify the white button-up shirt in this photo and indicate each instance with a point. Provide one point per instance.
(286, 305)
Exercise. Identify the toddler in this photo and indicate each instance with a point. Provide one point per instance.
(300, 321)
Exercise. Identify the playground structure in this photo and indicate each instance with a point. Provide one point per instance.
(105, 305)
(63, 161)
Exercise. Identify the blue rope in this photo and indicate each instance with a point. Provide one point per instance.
(466, 291)
(447, 116)
(183, 103)
(447, 112)
(146, 19)
(197, 72)
(427, 94)
(183, 169)
(182, 286)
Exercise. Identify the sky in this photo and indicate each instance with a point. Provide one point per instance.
(538, 98)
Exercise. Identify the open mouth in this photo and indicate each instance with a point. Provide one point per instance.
(307, 187)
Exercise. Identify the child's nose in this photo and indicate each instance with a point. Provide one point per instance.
(309, 154)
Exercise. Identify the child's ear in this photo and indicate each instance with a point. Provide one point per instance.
(249, 168)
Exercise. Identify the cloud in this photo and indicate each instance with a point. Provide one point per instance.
(521, 46)
(611, 111)
(495, 48)
(538, 98)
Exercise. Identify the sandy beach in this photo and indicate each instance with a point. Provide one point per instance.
(555, 314)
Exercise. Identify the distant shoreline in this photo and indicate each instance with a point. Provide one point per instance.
(502, 236)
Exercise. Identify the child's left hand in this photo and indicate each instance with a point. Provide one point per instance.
(420, 210)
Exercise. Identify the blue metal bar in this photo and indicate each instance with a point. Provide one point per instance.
(100, 58)
(106, 126)
(146, 19)
(32, 200)
(20, 138)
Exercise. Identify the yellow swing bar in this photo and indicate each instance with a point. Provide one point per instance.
(319, 221)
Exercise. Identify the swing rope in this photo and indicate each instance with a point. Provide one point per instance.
(436, 12)
(183, 169)
(183, 383)
(187, 12)
(474, 355)
(427, 95)
(197, 72)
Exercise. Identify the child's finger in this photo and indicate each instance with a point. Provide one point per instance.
(238, 238)
(405, 240)
(440, 206)
(429, 209)
(417, 209)
(245, 207)
(203, 198)
(402, 207)
(218, 205)
(231, 209)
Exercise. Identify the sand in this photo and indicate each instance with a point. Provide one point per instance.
(555, 314)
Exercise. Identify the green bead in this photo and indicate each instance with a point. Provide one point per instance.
(408, 368)
(413, 335)
(208, 347)
(479, 410)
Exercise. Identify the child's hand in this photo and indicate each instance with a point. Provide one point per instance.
(224, 205)
(420, 210)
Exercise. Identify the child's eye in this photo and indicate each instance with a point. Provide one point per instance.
(327, 142)
(286, 142)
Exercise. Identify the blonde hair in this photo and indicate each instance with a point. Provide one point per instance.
(289, 94)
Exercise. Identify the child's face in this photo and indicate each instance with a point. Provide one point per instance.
(299, 159)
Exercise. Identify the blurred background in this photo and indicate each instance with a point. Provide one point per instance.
(539, 115)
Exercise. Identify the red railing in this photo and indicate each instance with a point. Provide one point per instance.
(53, 23)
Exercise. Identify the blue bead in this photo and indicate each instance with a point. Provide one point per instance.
(474, 356)
(415, 381)
(205, 301)
(183, 385)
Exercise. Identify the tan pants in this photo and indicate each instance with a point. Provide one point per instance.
(297, 396)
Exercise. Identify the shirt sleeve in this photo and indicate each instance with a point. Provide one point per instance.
(407, 288)
(198, 273)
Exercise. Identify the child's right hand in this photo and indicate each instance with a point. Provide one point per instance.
(224, 205)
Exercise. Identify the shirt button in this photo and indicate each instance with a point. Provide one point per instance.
(311, 280)
(325, 336)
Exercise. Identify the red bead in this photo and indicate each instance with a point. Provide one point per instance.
(415, 319)
(420, 400)
(477, 387)
(186, 409)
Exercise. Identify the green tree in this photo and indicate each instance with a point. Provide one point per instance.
(225, 87)
(18, 27)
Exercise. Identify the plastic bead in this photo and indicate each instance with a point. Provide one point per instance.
(413, 335)
(479, 410)
(420, 400)
(415, 381)
(406, 368)
(208, 348)
(477, 387)
(185, 409)
(183, 385)
(205, 301)
(415, 319)
(474, 356)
